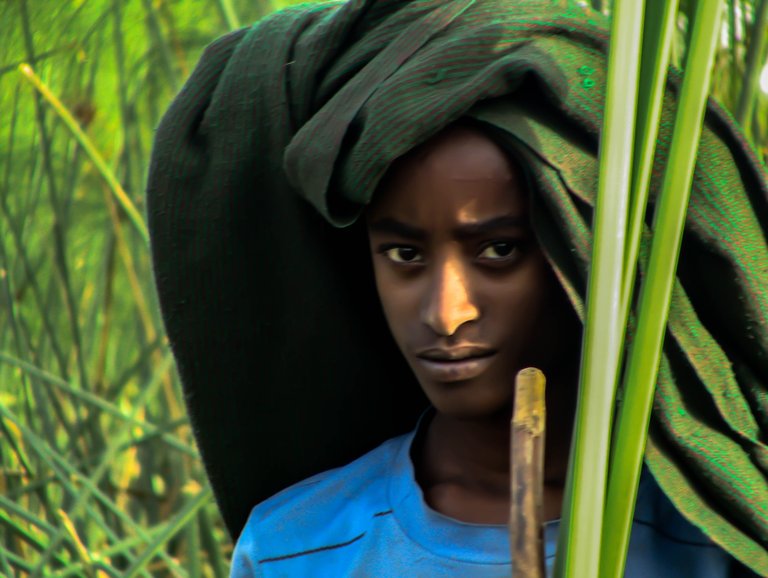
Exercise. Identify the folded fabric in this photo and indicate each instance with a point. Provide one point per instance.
(285, 128)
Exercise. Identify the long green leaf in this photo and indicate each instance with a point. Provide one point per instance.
(755, 57)
(578, 553)
(98, 161)
(210, 545)
(122, 548)
(28, 537)
(100, 403)
(658, 31)
(656, 293)
(184, 517)
(5, 565)
(67, 476)
(116, 442)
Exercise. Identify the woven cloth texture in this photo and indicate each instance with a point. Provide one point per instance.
(277, 142)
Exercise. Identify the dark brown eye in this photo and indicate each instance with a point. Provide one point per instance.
(403, 254)
(498, 250)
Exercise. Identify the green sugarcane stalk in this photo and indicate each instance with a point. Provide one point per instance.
(656, 293)
(658, 32)
(755, 57)
(578, 554)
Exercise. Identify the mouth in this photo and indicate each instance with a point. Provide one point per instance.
(457, 364)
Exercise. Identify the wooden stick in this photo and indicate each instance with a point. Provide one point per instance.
(526, 519)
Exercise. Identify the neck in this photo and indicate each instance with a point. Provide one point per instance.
(462, 465)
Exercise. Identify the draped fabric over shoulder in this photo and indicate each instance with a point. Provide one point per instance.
(277, 142)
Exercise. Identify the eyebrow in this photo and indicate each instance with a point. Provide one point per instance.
(485, 227)
(395, 227)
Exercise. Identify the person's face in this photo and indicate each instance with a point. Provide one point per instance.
(468, 295)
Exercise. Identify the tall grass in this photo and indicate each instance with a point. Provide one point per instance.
(579, 554)
(599, 502)
(99, 474)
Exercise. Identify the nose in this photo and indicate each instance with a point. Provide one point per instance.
(449, 303)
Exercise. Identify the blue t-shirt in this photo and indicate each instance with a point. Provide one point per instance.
(370, 519)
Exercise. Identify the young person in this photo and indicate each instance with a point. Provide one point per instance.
(470, 299)
(478, 235)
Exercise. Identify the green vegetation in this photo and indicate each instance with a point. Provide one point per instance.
(99, 475)
(599, 517)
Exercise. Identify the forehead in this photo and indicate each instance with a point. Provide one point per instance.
(460, 173)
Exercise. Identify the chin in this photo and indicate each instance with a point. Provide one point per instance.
(467, 401)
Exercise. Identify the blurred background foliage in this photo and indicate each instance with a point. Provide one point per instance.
(99, 474)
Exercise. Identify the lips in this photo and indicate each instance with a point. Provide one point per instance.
(456, 364)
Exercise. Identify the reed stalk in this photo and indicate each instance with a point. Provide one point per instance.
(658, 32)
(578, 553)
(66, 116)
(161, 43)
(65, 474)
(228, 14)
(179, 521)
(60, 258)
(74, 293)
(110, 453)
(628, 447)
(5, 566)
(656, 290)
(215, 555)
(754, 65)
(101, 404)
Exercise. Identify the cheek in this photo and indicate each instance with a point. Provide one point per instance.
(527, 306)
(396, 302)
(549, 327)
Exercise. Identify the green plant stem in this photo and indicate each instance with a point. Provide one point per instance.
(184, 517)
(161, 45)
(578, 552)
(106, 461)
(210, 545)
(758, 39)
(5, 566)
(60, 244)
(111, 65)
(18, 562)
(658, 32)
(228, 14)
(121, 548)
(11, 316)
(100, 403)
(192, 543)
(13, 508)
(65, 473)
(126, 158)
(28, 537)
(98, 161)
(37, 293)
(656, 292)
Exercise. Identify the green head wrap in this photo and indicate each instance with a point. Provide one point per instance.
(284, 354)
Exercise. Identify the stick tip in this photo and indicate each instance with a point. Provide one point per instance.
(530, 408)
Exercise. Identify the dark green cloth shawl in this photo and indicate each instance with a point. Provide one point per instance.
(284, 354)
